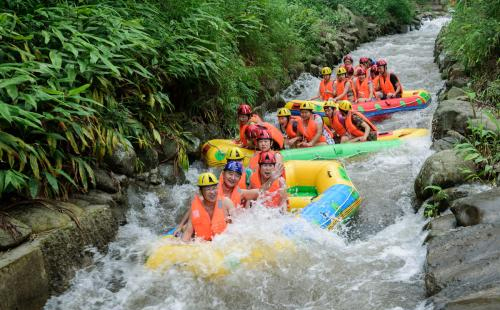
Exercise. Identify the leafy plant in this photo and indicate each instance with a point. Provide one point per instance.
(439, 198)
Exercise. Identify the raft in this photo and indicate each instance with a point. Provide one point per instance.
(214, 151)
(321, 191)
(411, 100)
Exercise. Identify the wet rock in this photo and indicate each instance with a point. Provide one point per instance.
(457, 76)
(171, 175)
(445, 143)
(41, 218)
(154, 177)
(463, 261)
(295, 70)
(482, 208)
(314, 69)
(440, 226)
(454, 93)
(105, 182)
(485, 123)
(122, 160)
(148, 157)
(16, 233)
(168, 149)
(193, 147)
(440, 169)
(485, 299)
(96, 197)
(451, 114)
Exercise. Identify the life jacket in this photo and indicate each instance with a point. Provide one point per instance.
(292, 127)
(311, 130)
(323, 88)
(363, 89)
(340, 86)
(351, 94)
(204, 226)
(275, 134)
(349, 126)
(254, 119)
(386, 85)
(274, 198)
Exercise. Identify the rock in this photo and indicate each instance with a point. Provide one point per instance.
(484, 123)
(17, 232)
(105, 182)
(462, 260)
(314, 70)
(295, 70)
(318, 60)
(482, 208)
(122, 160)
(440, 169)
(440, 226)
(168, 149)
(41, 218)
(275, 102)
(454, 93)
(451, 114)
(171, 175)
(485, 299)
(149, 158)
(154, 177)
(96, 197)
(445, 143)
(457, 75)
(193, 147)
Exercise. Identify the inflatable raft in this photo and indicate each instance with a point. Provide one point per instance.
(411, 100)
(214, 151)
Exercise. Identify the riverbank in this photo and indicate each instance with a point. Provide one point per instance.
(463, 244)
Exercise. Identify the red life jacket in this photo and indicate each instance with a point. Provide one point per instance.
(273, 197)
(311, 130)
(323, 88)
(253, 120)
(204, 226)
(363, 89)
(386, 85)
(349, 126)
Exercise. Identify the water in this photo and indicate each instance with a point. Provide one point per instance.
(375, 262)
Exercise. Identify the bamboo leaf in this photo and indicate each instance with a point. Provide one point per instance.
(78, 90)
(5, 112)
(56, 59)
(34, 166)
(52, 181)
(15, 80)
(34, 187)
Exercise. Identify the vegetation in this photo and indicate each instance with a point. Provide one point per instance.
(79, 77)
(438, 203)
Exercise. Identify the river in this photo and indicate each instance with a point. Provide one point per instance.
(373, 262)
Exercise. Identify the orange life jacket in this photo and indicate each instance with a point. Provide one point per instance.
(204, 226)
(311, 130)
(323, 88)
(275, 134)
(386, 85)
(340, 86)
(363, 89)
(273, 198)
(289, 130)
(253, 120)
(349, 126)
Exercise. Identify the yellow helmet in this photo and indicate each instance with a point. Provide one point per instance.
(207, 179)
(284, 112)
(341, 70)
(235, 153)
(326, 71)
(330, 104)
(345, 105)
(307, 106)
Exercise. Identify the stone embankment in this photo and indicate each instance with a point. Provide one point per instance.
(462, 269)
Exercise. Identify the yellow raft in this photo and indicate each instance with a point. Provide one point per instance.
(214, 151)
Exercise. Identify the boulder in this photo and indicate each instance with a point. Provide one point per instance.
(484, 123)
(440, 169)
(482, 208)
(451, 114)
(123, 160)
(440, 226)
(96, 197)
(457, 76)
(41, 218)
(193, 146)
(168, 149)
(105, 182)
(484, 299)
(15, 233)
(462, 260)
(149, 158)
(171, 175)
(445, 143)
(454, 93)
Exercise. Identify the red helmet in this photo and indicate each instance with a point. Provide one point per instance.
(360, 71)
(381, 63)
(374, 69)
(347, 57)
(350, 70)
(267, 158)
(362, 60)
(244, 109)
(252, 131)
(264, 134)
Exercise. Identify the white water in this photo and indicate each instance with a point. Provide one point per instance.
(373, 263)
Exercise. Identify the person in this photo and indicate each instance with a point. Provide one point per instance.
(246, 117)
(288, 126)
(310, 127)
(350, 71)
(365, 63)
(325, 86)
(363, 86)
(347, 60)
(210, 213)
(275, 196)
(390, 86)
(264, 144)
(235, 154)
(352, 126)
(329, 108)
(342, 87)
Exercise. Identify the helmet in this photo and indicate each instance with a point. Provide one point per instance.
(252, 131)
(326, 71)
(341, 70)
(307, 106)
(267, 158)
(349, 69)
(363, 60)
(264, 134)
(381, 63)
(207, 179)
(330, 104)
(235, 153)
(235, 166)
(360, 71)
(347, 57)
(374, 69)
(244, 109)
(284, 112)
(345, 105)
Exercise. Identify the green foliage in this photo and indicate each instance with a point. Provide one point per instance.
(482, 147)
(438, 203)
